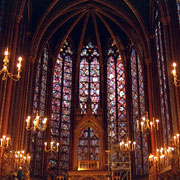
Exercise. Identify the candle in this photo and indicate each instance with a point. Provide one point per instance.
(6, 60)
(28, 122)
(1, 142)
(151, 125)
(45, 119)
(51, 146)
(57, 147)
(134, 145)
(7, 139)
(45, 146)
(157, 123)
(142, 126)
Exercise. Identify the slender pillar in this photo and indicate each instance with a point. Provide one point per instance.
(10, 82)
(172, 91)
(149, 84)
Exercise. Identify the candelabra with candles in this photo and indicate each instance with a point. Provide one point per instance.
(53, 147)
(5, 71)
(145, 124)
(176, 81)
(162, 158)
(4, 142)
(36, 123)
(127, 146)
(21, 158)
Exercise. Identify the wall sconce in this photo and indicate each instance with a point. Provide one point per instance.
(127, 146)
(36, 124)
(176, 81)
(144, 124)
(4, 142)
(5, 71)
(53, 147)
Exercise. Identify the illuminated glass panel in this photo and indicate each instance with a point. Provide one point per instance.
(116, 96)
(141, 152)
(61, 109)
(178, 9)
(39, 105)
(83, 84)
(89, 78)
(163, 87)
(88, 145)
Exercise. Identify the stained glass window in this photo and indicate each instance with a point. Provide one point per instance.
(116, 96)
(141, 152)
(162, 72)
(178, 9)
(89, 78)
(88, 145)
(61, 109)
(39, 105)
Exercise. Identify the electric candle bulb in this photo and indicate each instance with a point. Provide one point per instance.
(174, 64)
(174, 72)
(45, 119)
(6, 53)
(51, 146)
(20, 59)
(151, 125)
(19, 66)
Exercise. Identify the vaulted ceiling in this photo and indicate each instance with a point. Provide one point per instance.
(91, 19)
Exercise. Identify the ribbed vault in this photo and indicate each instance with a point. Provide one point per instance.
(97, 19)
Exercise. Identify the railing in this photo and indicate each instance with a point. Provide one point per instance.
(116, 178)
(88, 165)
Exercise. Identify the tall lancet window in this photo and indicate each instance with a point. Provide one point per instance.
(89, 78)
(116, 96)
(178, 9)
(37, 145)
(138, 100)
(61, 109)
(162, 76)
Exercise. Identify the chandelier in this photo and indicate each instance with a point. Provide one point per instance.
(37, 125)
(53, 147)
(4, 71)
